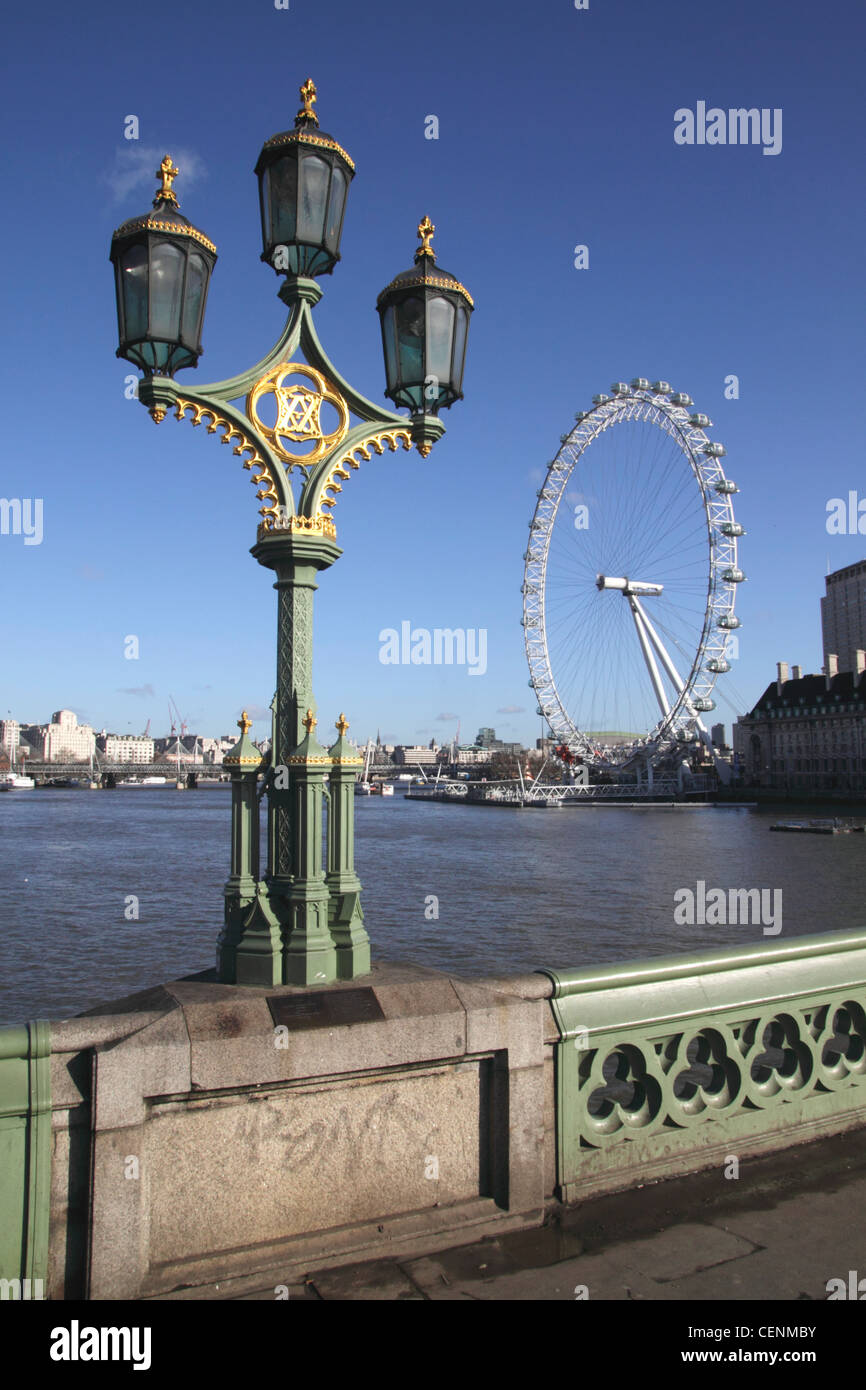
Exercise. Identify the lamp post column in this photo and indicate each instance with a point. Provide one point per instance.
(345, 916)
(250, 945)
(296, 559)
(309, 956)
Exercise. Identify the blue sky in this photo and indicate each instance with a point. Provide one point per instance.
(555, 129)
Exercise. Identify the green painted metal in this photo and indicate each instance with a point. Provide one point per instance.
(309, 952)
(242, 928)
(345, 919)
(25, 1156)
(667, 1064)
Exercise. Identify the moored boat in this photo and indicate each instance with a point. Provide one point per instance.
(16, 782)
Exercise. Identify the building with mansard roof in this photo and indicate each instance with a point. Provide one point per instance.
(807, 732)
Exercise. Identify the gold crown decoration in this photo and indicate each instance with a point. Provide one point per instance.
(425, 232)
(308, 96)
(342, 725)
(168, 172)
(310, 722)
(245, 723)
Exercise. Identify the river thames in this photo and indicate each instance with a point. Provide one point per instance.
(514, 890)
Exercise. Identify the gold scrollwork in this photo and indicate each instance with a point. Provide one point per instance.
(298, 413)
(263, 479)
(305, 525)
(365, 448)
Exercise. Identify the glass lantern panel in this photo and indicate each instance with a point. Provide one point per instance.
(410, 341)
(167, 263)
(283, 200)
(134, 290)
(196, 279)
(460, 348)
(265, 202)
(336, 203)
(440, 332)
(390, 347)
(314, 193)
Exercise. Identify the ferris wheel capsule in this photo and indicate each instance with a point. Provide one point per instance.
(718, 664)
(733, 575)
(732, 528)
(725, 485)
(601, 399)
(662, 388)
(640, 383)
(729, 621)
(701, 422)
(620, 388)
(703, 704)
(714, 451)
(680, 398)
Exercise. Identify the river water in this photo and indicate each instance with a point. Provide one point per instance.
(514, 890)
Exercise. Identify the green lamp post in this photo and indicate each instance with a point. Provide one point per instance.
(298, 920)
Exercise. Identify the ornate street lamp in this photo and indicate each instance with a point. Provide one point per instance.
(425, 321)
(304, 178)
(299, 922)
(162, 267)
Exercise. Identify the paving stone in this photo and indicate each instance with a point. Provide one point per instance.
(376, 1281)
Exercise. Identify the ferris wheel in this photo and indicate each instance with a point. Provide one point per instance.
(630, 578)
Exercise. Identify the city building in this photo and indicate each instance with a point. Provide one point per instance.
(843, 615)
(10, 734)
(63, 740)
(414, 754)
(472, 756)
(125, 748)
(807, 732)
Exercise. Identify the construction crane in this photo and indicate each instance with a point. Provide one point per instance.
(176, 718)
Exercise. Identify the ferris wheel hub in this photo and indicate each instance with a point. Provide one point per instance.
(628, 586)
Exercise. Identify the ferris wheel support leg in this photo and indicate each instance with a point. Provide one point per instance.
(670, 668)
(641, 625)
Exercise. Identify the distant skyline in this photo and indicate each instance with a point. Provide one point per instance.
(555, 131)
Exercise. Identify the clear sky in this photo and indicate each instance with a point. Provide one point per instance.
(556, 129)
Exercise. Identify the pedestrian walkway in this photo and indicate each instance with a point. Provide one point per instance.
(781, 1230)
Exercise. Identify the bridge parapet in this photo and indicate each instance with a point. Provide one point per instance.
(670, 1065)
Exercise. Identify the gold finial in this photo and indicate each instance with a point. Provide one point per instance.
(245, 723)
(341, 725)
(308, 96)
(310, 722)
(425, 232)
(168, 173)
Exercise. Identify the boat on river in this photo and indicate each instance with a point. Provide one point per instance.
(16, 782)
(819, 827)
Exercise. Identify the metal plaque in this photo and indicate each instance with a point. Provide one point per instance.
(328, 1009)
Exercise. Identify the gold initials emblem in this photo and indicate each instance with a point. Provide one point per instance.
(298, 413)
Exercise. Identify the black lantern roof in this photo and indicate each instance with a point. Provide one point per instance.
(165, 215)
(306, 132)
(425, 274)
